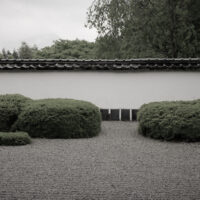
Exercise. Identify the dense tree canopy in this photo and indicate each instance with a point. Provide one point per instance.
(25, 51)
(146, 28)
(61, 49)
(75, 49)
(129, 29)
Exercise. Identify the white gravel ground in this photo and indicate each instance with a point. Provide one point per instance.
(119, 164)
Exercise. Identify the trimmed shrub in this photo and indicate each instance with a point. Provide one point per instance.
(14, 138)
(178, 120)
(10, 106)
(59, 118)
(17, 99)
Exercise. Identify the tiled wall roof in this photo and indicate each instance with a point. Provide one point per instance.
(192, 64)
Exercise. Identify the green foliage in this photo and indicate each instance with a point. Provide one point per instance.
(14, 138)
(17, 100)
(15, 54)
(62, 49)
(151, 28)
(6, 54)
(129, 29)
(10, 106)
(107, 48)
(59, 118)
(8, 115)
(171, 120)
(25, 52)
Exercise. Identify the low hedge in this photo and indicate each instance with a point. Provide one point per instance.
(10, 107)
(59, 118)
(14, 138)
(178, 120)
(17, 99)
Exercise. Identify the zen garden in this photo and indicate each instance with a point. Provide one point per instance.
(113, 118)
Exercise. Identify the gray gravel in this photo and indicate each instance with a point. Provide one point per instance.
(119, 164)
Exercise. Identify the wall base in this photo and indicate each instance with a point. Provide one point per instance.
(119, 114)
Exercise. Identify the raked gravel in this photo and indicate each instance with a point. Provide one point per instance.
(119, 164)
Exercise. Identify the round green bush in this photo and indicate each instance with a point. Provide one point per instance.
(10, 107)
(178, 120)
(16, 99)
(59, 118)
(14, 138)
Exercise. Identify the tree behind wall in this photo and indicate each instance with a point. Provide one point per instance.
(25, 52)
(61, 49)
(71, 49)
(146, 28)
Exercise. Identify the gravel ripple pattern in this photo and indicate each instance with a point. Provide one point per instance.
(119, 164)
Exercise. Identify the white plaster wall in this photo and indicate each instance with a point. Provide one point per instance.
(105, 89)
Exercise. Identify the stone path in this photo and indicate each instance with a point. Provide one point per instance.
(119, 164)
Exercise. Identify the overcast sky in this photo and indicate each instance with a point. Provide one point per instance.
(42, 21)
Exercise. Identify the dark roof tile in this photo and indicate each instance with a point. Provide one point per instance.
(188, 64)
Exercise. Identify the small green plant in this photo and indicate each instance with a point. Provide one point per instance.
(10, 107)
(59, 118)
(179, 120)
(14, 138)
